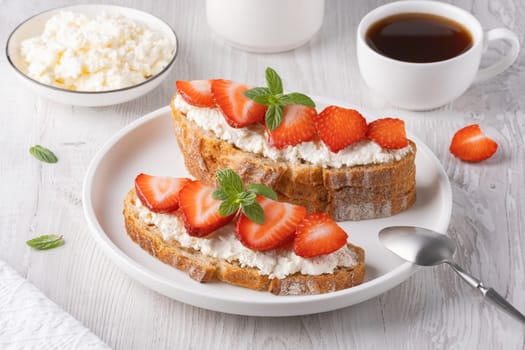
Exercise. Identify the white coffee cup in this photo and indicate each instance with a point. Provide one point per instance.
(422, 86)
(265, 25)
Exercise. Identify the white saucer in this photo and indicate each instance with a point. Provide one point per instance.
(149, 145)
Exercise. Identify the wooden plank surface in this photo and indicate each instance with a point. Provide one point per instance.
(433, 309)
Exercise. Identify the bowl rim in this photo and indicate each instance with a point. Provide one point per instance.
(159, 74)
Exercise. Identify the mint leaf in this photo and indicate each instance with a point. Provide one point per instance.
(247, 197)
(228, 207)
(269, 117)
(230, 182)
(43, 154)
(254, 212)
(296, 98)
(255, 92)
(274, 116)
(219, 194)
(263, 100)
(46, 242)
(262, 190)
(273, 81)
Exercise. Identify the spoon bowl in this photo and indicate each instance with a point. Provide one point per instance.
(418, 245)
(425, 247)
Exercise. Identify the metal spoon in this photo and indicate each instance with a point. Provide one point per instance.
(425, 247)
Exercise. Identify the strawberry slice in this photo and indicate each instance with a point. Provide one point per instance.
(238, 110)
(471, 145)
(298, 125)
(339, 127)
(159, 194)
(196, 92)
(318, 234)
(388, 133)
(280, 222)
(200, 211)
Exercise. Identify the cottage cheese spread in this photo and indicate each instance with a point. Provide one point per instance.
(253, 140)
(223, 244)
(105, 53)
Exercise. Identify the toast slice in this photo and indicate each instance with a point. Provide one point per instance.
(204, 268)
(348, 193)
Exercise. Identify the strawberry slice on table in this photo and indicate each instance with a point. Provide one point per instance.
(388, 133)
(280, 222)
(238, 110)
(200, 211)
(297, 125)
(471, 145)
(196, 92)
(318, 234)
(339, 127)
(159, 194)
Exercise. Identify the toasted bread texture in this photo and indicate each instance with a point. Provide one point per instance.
(347, 193)
(204, 268)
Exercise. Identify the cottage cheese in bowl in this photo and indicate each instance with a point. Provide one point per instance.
(92, 55)
(107, 52)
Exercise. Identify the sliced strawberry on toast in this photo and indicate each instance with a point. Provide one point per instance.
(317, 234)
(280, 222)
(200, 211)
(238, 110)
(339, 127)
(471, 145)
(297, 125)
(159, 194)
(196, 92)
(388, 133)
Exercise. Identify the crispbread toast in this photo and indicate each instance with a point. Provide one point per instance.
(204, 268)
(347, 193)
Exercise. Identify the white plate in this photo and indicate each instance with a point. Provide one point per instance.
(149, 145)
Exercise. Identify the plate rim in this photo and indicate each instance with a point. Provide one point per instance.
(144, 274)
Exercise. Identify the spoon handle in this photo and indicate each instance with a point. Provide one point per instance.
(488, 292)
(498, 300)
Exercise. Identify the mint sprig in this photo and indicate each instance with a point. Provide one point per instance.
(273, 97)
(234, 196)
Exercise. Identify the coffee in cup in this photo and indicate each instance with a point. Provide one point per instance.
(421, 54)
(418, 37)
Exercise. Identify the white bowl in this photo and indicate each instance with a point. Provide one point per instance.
(34, 26)
(265, 26)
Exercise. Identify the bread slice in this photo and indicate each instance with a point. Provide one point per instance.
(205, 268)
(347, 193)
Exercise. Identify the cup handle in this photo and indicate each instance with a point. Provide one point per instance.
(507, 60)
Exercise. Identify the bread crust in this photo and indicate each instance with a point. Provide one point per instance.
(348, 193)
(204, 268)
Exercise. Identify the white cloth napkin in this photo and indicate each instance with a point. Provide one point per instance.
(29, 320)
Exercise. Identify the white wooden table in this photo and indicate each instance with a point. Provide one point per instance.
(433, 309)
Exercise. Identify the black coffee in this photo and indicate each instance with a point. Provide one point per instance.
(418, 37)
